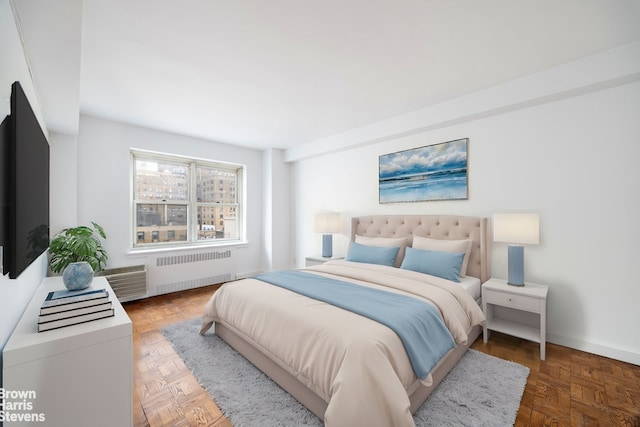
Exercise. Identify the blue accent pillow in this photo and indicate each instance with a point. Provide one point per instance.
(372, 254)
(442, 264)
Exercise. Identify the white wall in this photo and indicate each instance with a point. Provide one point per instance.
(63, 182)
(572, 158)
(277, 219)
(104, 184)
(15, 294)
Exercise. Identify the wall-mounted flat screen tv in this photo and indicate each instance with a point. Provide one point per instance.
(24, 170)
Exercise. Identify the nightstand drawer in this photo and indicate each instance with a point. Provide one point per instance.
(519, 302)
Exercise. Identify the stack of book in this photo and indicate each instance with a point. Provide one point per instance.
(64, 308)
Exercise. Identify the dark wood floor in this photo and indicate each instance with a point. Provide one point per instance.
(570, 388)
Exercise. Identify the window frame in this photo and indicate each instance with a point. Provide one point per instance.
(191, 202)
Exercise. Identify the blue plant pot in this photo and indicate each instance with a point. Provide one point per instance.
(77, 275)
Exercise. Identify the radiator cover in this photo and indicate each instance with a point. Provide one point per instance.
(173, 273)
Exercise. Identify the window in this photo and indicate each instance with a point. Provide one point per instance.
(181, 201)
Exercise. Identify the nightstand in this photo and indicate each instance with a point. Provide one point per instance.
(317, 260)
(520, 311)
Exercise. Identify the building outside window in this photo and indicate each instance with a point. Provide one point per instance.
(182, 201)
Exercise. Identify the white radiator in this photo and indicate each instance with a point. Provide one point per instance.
(128, 283)
(179, 272)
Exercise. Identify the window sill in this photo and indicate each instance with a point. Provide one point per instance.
(194, 247)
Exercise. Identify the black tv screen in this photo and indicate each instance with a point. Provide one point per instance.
(25, 173)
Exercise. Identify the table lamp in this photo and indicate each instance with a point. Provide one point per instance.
(327, 223)
(516, 229)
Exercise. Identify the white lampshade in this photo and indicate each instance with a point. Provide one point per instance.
(517, 228)
(328, 222)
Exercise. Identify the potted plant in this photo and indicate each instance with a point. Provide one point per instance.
(78, 252)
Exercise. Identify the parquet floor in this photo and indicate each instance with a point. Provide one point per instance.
(570, 388)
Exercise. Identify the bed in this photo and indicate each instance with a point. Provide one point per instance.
(344, 367)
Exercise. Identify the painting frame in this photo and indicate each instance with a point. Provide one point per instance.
(429, 173)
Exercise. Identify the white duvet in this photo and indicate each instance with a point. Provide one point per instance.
(358, 366)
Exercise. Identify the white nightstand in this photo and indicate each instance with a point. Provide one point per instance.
(520, 311)
(317, 260)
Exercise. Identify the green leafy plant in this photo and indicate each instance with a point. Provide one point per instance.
(78, 244)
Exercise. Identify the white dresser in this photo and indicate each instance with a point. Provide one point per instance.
(79, 375)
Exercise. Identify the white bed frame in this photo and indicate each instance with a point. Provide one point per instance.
(447, 227)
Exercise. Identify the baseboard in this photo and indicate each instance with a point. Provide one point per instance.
(601, 350)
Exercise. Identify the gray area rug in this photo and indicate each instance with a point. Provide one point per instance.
(481, 390)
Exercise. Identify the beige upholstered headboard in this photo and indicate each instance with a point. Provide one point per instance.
(450, 227)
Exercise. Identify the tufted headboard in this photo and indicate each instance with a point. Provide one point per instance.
(450, 227)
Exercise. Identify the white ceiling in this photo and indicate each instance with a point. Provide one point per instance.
(279, 73)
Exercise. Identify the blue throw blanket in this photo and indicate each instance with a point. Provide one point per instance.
(417, 323)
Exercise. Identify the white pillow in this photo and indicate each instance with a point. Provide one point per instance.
(443, 245)
(387, 242)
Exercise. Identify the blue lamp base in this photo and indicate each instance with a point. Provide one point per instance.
(516, 265)
(327, 245)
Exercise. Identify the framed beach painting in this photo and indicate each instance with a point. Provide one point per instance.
(433, 172)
